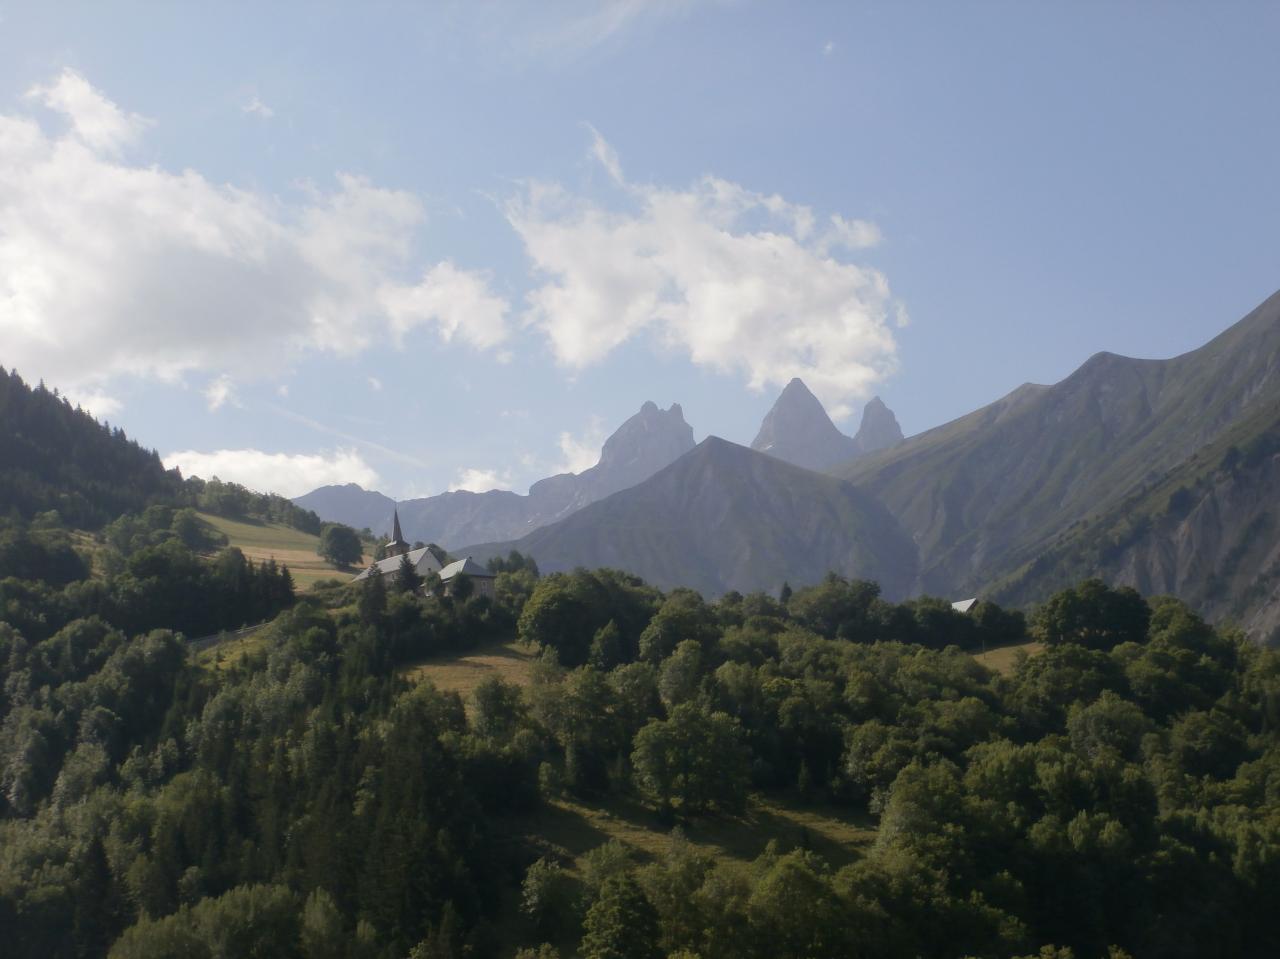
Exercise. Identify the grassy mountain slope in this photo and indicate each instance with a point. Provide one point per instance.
(725, 517)
(985, 494)
(294, 548)
(1206, 532)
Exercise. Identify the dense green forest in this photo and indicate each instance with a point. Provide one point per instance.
(56, 457)
(1119, 792)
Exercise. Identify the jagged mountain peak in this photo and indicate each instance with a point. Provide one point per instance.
(879, 429)
(797, 429)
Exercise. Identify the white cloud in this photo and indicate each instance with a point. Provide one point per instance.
(481, 480)
(256, 107)
(95, 402)
(109, 268)
(95, 121)
(219, 393)
(284, 473)
(578, 453)
(739, 281)
(605, 155)
(457, 301)
(851, 234)
(283, 390)
(828, 48)
(375, 384)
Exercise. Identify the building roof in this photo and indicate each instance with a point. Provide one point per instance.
(468, 566)
(423, 560)
(397, 538)
(964, 605)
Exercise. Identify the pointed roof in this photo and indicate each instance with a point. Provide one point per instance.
(423, 560)
(397, 538)
(468, 566)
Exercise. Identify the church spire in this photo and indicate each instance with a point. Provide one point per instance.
(396, 546)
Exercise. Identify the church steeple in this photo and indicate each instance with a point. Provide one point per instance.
(396, 546)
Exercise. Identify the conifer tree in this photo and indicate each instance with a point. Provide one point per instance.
(407, 578)
(373, 597)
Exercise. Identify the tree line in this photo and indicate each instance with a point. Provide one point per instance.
(56, 457)
(1114, 794)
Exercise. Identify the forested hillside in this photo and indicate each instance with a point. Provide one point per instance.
(56, 457)
(1116, 794)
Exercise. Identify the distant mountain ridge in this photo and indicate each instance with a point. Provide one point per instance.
(644, 444)
(989, 493)
(726, 517)
(798, 430)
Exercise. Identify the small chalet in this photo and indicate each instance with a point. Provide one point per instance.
(430, 559)
(481, 578)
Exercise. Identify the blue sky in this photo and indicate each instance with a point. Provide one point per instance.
(456, 246)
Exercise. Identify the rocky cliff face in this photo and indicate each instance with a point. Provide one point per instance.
(647, 442)
(798, 430)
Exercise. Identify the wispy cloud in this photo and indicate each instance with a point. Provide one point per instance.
(592, 23)
(219, 393)
(257, 108)
(324, 428)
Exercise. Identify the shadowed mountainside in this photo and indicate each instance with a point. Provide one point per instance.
(986, 494)
(725, 517)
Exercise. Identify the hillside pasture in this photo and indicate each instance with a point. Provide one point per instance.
(509, 660)
(567, 829)
(291, 547)
(1003, 659)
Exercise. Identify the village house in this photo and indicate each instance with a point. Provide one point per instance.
(430, 559)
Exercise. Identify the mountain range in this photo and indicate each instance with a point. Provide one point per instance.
(643, 445)
(1160, 474)
(724, 517)
(1051, 483)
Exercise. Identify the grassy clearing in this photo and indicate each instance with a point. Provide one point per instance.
(568, 829)
(1002, 659)
(292, 547)
(228, 654)
(509, 661)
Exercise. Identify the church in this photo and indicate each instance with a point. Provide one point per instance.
(430, 559)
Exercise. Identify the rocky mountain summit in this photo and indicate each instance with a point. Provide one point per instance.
(798, 430)
(648, 441)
